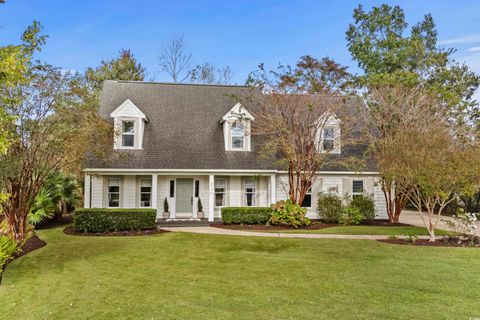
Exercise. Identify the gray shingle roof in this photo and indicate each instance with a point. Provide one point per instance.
(183, 131)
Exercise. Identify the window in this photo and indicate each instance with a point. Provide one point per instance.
(128, 133)
(220, 187)
(357, 188)
(172, 188)
(250, 191)
(145, 192)
(113, 193)
(237, 136)
(307, 200)
(197, 188)
(328, 142)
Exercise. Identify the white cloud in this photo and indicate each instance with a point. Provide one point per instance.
(473, 49)
(465, 39)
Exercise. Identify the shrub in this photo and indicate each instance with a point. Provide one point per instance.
(350, 215)
(287, 213)
(245, 215)
(101, 220)
(8, 248)
(366, 206)
(199, 205)
(329, 207)
(165, 205)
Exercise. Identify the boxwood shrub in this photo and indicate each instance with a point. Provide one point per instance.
(246, 215)
(102, 219)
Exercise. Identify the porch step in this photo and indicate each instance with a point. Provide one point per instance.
(182, 222)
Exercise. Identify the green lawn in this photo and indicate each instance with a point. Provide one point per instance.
(193, 276)
(370, 230)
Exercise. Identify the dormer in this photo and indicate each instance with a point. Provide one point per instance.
(237, 128)
(129, 122)
(329, 134)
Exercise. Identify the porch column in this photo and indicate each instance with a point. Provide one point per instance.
(211, 197)
(86, 193)
(273, 185)
(154, 190)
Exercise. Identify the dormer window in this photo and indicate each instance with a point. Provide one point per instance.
(238, 133)
(129, 122)
(328, 140)
(128, 134)
(236, 129)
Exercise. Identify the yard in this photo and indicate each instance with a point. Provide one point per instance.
(186, 276)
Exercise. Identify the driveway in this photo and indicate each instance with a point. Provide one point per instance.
(413, 218)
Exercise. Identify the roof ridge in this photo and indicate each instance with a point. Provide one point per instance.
(179, 83)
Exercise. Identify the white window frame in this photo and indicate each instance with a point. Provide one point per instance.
(358, 193)
(140, 193)
(253, 193)
(223, 193)
(127, 134)
(332, 139)
(232, 130)
(109, 192)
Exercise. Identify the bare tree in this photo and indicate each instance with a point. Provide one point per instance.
(209, 74)
(175, 59)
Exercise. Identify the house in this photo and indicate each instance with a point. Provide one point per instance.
(177, 142)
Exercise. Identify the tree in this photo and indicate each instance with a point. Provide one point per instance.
(55, 124)
(387, 54)
(294, 105)
(125, 67)
(207, 73)
(175, 59)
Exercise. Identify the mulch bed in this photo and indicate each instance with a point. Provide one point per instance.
(72, 232)
(427, 243)
(315, 225)
(33, 243)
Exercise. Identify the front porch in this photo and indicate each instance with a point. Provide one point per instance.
(180, 197)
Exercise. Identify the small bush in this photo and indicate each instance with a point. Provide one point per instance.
(329, 207)
(366, 206)
(165, 205)
(102, 220)
(287, 213)
(350, 215)
(199, 205)
(245, 215)
(8, 248)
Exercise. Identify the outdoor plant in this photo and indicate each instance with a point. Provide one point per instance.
(329, 206)
(246, 215)
(199, 205)
(350, 215)
(8, 247)
(165, 205)
(411, 238)
(102, 219)
(287, 213)
(463, 223)
(365, 204)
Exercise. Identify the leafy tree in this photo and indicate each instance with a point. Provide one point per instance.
(294, 105)
(389, 53)
(56, 122)
(125, 67)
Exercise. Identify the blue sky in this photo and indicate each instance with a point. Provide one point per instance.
(240, 34)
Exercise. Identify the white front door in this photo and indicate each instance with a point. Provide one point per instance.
(184, 198)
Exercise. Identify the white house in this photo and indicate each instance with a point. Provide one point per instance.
(178, 141)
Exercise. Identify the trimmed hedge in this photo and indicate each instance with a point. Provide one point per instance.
(246, 215)
(102, 219)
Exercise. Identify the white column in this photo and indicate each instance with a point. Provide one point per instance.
(211, 197)
(154, 191)
(86, 189)
(273, 185)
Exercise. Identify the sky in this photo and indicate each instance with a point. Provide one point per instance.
(240, 34)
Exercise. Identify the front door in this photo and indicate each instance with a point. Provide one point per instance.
(184, 197)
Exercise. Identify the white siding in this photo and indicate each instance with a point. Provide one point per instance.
(235, 191)
(129, 191)
(263, 192)
(97, 191)
(380, 203)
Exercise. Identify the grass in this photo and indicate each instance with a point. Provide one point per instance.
(192, 276)
(369, 230)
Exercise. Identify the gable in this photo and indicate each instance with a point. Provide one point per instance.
(128, 109)
(238, 111)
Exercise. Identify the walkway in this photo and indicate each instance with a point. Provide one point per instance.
(413, 218)
(229, 232)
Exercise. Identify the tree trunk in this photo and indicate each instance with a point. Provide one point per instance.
(395, 201)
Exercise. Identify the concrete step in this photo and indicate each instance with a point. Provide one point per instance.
(183, 222)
